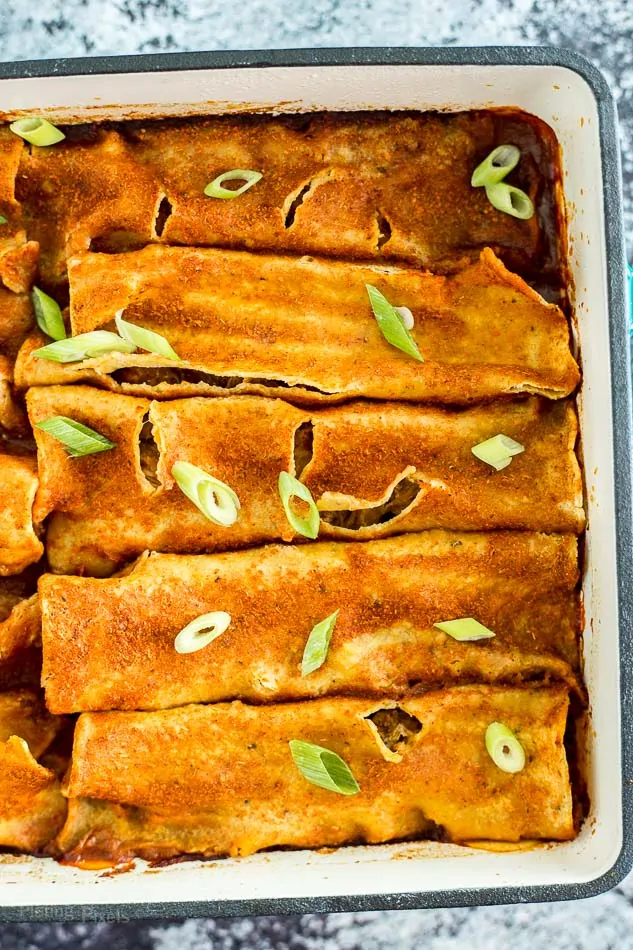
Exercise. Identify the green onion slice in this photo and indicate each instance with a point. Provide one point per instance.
(289, 488)
(3, 220)
(144, 339)
(392, 324)
(318, 644)
(504, 748)
(201, 631)
(496, 166)
(37, 131)
(407, 317)
(215, 190)
(83, 347)
(77, 439)
(497, 451)
(216, 500)
(465, 629)
(510, 200)
(48, 314)
(323, 768)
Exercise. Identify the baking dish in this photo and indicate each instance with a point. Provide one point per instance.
(569, 94)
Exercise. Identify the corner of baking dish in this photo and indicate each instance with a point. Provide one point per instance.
(572, 96)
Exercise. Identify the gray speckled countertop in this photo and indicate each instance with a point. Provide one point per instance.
(603, 31)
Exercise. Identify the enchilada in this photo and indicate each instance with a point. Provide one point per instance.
(19, 541)
(372, 471)
(220, 780)
(20, 633)
(109, 644)
(32, 808)
(392, 186)
(303, 329)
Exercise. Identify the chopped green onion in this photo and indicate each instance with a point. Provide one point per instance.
(391, 324)
(497, 451)
(83, 347)
(496, 166)
(290, 487)
(510, 200)
(201, 631)
(504, 748)
(465, 629)
(48, 314)
(323, 768)
(144, 339)
(215, 190)
(3, 220)
(216, 500)
(407, 317)
(78, 439)
(37, 131)
(318, 644)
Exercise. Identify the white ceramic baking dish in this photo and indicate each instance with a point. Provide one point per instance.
(569, 94)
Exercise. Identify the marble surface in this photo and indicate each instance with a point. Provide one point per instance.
(602, 30)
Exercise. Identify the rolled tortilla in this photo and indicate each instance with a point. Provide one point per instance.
(303, 329)
(32, 808)
(19, 541)
(109, 644)
(20, 634)
(372, 470)
(384, 185)
(220, 780)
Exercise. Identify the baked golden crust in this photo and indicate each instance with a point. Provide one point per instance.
(220, 779)
(20, 638)
(303, 329)
(109, 644)
(84, 190)
(373, 470)
(391, 186)
(32, 807)
(19, 543)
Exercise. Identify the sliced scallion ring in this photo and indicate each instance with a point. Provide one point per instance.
(465, 629)
(496, 166)
(77, 439)
(504, 748)
(497, 451)
(37, 131)
(391, 324)
(3, 220)
(289, 488)
(83, 347)
(201, 631)
(510, 200)
(216, 500)
(144, 339)
(323, 768)
(318, 644)
(48, 314)
(215, 190)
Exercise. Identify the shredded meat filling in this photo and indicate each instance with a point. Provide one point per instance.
(395, 727)
(402, 496)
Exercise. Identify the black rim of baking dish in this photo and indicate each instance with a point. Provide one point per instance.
(622, 440)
